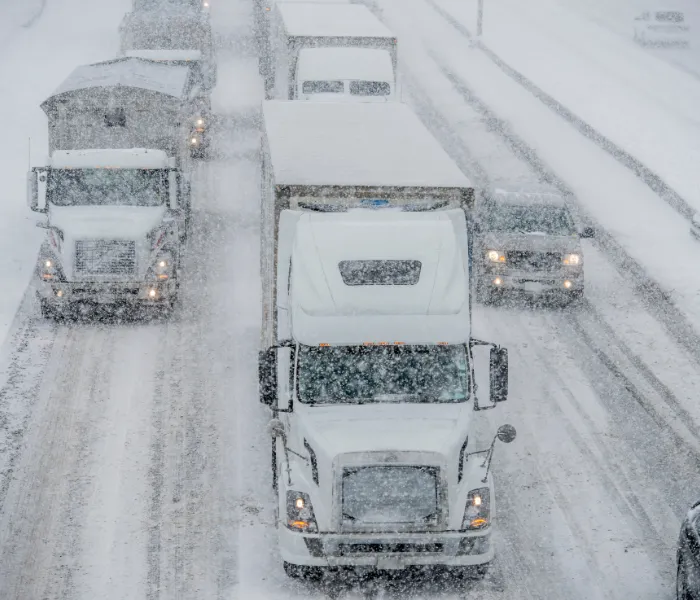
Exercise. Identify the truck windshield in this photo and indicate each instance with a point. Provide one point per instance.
(107, 187)
(367, 374)
(552, 220)
(369, 88)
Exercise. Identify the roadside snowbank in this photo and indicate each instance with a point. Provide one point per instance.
(645, 105)
(38, 58)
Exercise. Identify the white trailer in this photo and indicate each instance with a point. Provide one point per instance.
(298, 25)
(345, 75)
(367, 359)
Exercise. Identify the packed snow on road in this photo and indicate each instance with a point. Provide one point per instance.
(350, 299)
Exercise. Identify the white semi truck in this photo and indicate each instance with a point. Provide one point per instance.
(115, 201)
(299, 25)
(367, 359)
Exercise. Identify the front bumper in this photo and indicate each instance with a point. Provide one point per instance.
(64, 293)
(386, 551)
(533, 283)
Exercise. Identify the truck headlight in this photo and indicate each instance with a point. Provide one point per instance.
(162, 269)
(300, 513)
(572, 259)
(477, 514)
(199, 124)
(49, 269)
(194, 141)
(496, 256)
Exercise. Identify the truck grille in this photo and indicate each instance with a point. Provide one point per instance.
(390, 498)
(534, 261)
(105, 257)
(400, 548)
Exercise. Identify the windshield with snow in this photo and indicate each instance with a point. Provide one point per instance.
(369, 88)
(551, 220)
(107, 187)
(367, 374)
(323, 87)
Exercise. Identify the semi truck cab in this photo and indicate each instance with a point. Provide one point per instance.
(115, 223)
(372, 388)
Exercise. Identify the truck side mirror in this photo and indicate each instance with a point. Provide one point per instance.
(506, 433)
(498, 370)
(267, 376)
(36, 190)
(588, 232)
(173, 193)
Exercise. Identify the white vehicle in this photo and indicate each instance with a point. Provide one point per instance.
(164, 30)
(299, 25)
(115, 221)
(658, 27)
(367, 355)
(345, 75)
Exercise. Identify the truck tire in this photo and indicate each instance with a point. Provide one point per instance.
(275, 475)
(475, 573)
(303, 572)
(47, 310)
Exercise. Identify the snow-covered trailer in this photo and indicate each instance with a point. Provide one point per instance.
(123, 103)
(298, 25)
(176, 29)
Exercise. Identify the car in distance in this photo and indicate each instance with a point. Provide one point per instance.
(661, 27)
(527, 243)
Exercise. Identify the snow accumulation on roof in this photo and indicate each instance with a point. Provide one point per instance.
(166, 55)
(127, 72)
(324, 64)
(133, 158)
(434, 308)
(355, 144)
(315, 19)
(527, 196)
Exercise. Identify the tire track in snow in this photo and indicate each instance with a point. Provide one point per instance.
(653, 181)
(656, 300)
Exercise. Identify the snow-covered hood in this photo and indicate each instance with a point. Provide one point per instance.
(434, 428)
(106, 222)
(109, 223)
(532, 242)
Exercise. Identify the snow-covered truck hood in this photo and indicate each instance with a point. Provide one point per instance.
(108, 223)
(434, 428)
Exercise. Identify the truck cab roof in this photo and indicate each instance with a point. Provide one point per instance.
(380, 276)
(316, 19)
(322, 64)
(134, 158)
(355, 144)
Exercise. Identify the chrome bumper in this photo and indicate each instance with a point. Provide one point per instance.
(64, 293)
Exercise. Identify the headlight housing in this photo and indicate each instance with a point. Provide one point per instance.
(300, 513)
(199, 124)
(49, 269)
(477, 514)
(496, 256)
(163, 267)
(572, 259)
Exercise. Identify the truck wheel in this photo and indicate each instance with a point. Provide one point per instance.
(475, 573)
(303, 572)
(47, 310)
(275, 476)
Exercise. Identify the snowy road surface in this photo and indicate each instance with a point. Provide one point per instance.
(135, 459)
